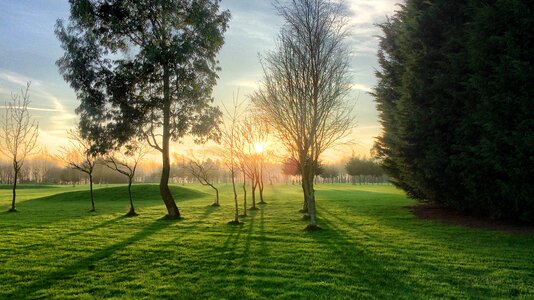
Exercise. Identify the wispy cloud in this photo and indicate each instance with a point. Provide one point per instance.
(54, 117)
(37, 109)
(244, 83)
(17, 79)
(361, 87)
(365, 14)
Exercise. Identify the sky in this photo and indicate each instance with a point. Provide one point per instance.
(29, 49)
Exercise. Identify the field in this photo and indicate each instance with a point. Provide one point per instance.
(369, 247)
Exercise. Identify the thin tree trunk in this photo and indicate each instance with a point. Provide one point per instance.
(260, 185)
(236, 215)
(15, 177)
(132, 208)
(261, 193)
(253, 186)
(165, 192)
(91, 192)
(244, 194)
(216, 203)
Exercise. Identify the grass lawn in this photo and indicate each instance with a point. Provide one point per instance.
(370, 247)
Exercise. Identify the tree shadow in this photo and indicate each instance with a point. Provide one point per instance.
(372, 270)
(71, 205)
(32, 289)
(437, 273)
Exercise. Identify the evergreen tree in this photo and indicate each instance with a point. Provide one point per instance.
(453, 96)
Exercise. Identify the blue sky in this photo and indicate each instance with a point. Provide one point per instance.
(29, 49)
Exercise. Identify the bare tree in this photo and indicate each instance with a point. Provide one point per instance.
(125, 161)
(256, 134)
(205, 172)
(18, 135)
(303, 95)
(248, 158)
(78, 156)
(229, 136)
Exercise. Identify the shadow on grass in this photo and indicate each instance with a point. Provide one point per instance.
(374, 272)
(75, 204)
(437, 273)
(68, 272)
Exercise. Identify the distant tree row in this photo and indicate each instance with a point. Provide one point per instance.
(454, 94)
(356, 171)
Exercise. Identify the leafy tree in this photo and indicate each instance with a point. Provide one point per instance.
(305, 86)
(18, 135)
(330, 172)
(454, 100)
(290, 167)
(144, 64)
(362, 167)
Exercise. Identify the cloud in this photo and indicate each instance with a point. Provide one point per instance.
(361, 87)
(17, 79)
(364, 15)
(37, 109)
(54, 117)
(244, 83)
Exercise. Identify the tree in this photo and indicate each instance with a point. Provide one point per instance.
(330, 172)
(229, 138)
(303, 95)
(250, 158)
(290, 167)
(362, 167)
(78, 156)
(454, 95)
(125, 161)
(256, 135)
(205, 172)
(144, 64)
(18, 135)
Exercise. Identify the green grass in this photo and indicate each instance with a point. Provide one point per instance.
(369, 247)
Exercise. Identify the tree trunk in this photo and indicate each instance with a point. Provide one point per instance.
(260, 185)
(132, 208)
(253, 186)
(91, 192)
(310, 197)
(244, 194)
(236, 215)
(15, 177)
(216, 196)
(304, 209)
(165, 192)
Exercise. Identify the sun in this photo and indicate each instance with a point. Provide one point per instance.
(259, 147)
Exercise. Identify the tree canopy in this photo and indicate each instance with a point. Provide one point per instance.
(454, 97)
(144, 68)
